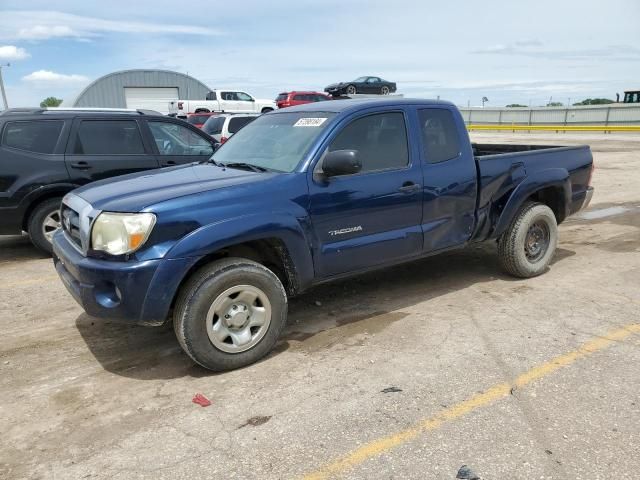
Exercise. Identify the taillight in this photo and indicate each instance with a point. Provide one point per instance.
(223, 139)
(180, 104)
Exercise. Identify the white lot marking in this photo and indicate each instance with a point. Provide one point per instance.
(603, 212)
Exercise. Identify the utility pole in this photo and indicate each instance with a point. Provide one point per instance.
(4, 94)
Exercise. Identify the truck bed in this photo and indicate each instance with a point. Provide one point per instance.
(484, 149)
(502, 168)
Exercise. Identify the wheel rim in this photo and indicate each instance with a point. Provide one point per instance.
(385, 90)
(537, 241)
(50, 224)
(238, 318)
(351, 89)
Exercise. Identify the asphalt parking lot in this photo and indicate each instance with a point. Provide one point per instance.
(406, 373)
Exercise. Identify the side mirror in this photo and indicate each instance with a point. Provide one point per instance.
(341, 162)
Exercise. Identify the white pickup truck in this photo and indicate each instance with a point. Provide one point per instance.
(222, 101)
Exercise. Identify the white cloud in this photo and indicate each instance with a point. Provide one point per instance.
(11, 52)
(44, 32)
(49, 78)
(43, 25)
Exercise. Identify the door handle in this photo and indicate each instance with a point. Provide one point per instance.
(81, 165)
(169, 163)
(408, 187)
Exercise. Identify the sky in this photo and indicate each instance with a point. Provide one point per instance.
(521, 51)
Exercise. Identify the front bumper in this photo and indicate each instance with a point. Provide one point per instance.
(139, 292)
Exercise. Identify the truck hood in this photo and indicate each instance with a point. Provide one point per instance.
(135, 192)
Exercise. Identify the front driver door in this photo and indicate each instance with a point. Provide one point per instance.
(372, 217)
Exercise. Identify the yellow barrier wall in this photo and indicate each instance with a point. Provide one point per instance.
(558, 128)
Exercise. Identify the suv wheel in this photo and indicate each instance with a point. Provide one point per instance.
(43, 223)
(230, 313)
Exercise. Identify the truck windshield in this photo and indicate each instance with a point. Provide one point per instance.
(275, 142)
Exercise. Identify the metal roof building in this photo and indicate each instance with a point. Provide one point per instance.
(148, 89)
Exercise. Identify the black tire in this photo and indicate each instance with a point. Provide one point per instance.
(384, 90)
(36, 227)
(351, 90)
(199, 293)
(267, 110)
(517, 255)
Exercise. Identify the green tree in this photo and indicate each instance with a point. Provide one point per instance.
(555, 104)
(595, 101)
(51, 102)
(511, 105)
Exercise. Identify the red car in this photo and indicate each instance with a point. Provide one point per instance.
(198, 119)
(289, 99)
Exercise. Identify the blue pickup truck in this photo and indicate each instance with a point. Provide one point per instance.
(303, 196)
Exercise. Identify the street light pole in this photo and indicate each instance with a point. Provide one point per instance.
(4, 94)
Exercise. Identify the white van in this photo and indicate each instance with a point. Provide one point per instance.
(222, 126)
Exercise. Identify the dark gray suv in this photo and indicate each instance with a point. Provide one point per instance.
(45, 153)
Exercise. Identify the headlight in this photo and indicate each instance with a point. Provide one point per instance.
(120, 233)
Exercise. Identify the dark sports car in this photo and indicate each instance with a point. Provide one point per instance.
(362, 85)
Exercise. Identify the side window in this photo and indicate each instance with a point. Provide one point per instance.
(174, 139)
(439, 135)
(108, 137)
(229, 96)
(320, 98)
(243, 97)
(33, 136)
(299, 97)
(380, 139)
(214, 125)
(236, 123)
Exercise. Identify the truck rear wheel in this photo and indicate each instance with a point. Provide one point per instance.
(230, 314)
(43, 223)
(527, 247)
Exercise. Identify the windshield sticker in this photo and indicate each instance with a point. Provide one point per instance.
(309, 122)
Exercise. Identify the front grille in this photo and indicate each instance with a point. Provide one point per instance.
(71, 224)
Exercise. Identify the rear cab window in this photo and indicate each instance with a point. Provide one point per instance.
(440, 138)
(39, 136)
(108, 137)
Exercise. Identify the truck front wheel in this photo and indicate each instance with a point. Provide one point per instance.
(230, 313)
(527, 247)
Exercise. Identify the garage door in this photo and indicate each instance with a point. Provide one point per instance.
(151, 98)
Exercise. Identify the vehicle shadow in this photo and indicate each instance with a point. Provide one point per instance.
(14, 248)
(323, 316)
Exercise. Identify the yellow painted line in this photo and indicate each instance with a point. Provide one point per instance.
(27, 282)
(497, 392)
(557, 128)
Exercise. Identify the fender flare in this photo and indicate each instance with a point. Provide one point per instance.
(552, 177)
(33, 197)
(213, 237)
